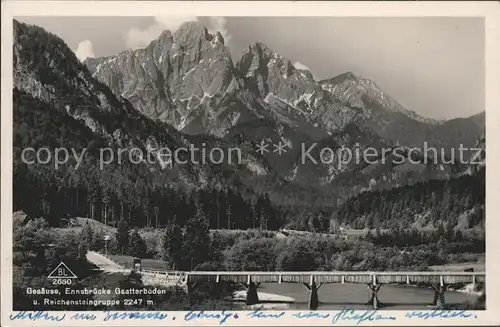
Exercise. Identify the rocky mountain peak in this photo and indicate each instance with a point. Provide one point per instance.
(348, 76)
(190, 33)
(165, 39)
(258, 47)
(362, 93)
(193, 35)
(174, 77)
(219, 38)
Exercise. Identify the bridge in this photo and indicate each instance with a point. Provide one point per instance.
(439, 280)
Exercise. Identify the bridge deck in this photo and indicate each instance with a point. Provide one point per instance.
(367, 277)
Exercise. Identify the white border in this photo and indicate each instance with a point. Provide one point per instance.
(489, 10)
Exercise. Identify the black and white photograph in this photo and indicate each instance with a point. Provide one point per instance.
(250, 163)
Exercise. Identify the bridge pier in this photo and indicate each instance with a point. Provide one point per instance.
(374, 301)
(252, 296)
(439, 300)
(313, 297)
(189, 292)
(313, 294)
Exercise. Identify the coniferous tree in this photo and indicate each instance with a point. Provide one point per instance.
(86, 239)
(172, 242)
(196, 238)
(106, 199)
(137, 246)
(122, 236)
(98, 242)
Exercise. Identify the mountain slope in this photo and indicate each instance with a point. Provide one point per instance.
(57, 103)
(47, 69)
(393, 122)
(363, 93)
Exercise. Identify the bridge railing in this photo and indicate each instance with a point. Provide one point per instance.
(340, 273)
(365, 277)
(169, 273)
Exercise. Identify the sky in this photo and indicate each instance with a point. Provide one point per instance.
(431, 65)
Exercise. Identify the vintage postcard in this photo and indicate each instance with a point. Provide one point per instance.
(250, 163)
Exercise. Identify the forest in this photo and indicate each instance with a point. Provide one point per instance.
(119, 191)
(444, 200)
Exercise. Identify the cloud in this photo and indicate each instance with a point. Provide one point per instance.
(172, 23)
(85, 49)
(139, 38)
(219, 24)
(300, 65)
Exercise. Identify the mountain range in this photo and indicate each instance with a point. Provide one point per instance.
(184, 88)
(188, 80)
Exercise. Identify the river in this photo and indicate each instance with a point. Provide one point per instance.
(337, 296)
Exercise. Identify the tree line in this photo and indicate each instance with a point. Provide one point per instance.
(195, 247)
